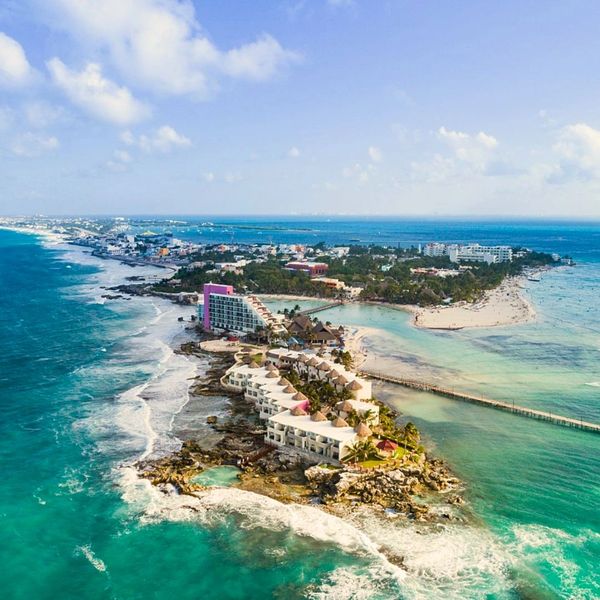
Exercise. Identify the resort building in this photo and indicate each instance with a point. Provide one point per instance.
(470, 253)
(285, 410)
(223, 310)
(310, 434)
(313, 269)
(434, 249)
(477, 253)
(312, 367)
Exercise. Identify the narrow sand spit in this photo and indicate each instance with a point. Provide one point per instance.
(505, 305)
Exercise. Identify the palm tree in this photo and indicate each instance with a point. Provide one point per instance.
(368, 415)
(411, 436)
(361, 451)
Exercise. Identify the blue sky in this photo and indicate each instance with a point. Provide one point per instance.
(300, 107)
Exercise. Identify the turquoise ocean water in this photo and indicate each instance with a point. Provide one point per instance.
(87, 387)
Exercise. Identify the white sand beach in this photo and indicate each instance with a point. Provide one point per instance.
(505, 305)
(353, 343)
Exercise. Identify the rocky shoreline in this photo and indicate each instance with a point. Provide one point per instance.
(416, 487)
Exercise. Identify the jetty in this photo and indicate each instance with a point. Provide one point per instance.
(316, 309)
(511, 407)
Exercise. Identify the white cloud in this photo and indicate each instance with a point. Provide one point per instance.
(476, 150)
(438, 169)
(95, 94)
(578, 147)
(358, 172)
(121, 158)
(31, 144)
(15, 70)
(159, 44)
(293, 152)
(375, 154)
(209, 177)
(164, 139)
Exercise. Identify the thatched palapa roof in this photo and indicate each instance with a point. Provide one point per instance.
(345, 406)
(363, 430)
(318, 416)
(339, 422)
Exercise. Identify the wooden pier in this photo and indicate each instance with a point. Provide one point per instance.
(316, 309)
(497, 404)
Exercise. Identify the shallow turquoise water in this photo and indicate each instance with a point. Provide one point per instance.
(87, 388)
(218, 476)
(536, 485)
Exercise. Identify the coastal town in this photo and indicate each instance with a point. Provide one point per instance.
(423, 278)
(297, 372)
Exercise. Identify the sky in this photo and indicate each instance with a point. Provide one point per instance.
(378, 107)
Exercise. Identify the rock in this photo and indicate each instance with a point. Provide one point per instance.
(455, 500)
(211, 420)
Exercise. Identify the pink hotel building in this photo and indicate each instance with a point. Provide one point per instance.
(224, 310)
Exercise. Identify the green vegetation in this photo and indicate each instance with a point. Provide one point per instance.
(320, 394)
(362, 451)
(344, 358)
(383, 274)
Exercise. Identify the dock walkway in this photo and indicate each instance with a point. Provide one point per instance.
(316, 309)
(497, 404)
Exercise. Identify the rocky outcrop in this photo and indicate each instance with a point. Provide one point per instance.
(395, 488)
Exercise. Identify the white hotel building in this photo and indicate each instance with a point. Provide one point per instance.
(470, 253)
(285, 410)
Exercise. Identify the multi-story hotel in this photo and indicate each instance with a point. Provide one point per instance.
(224, 310)
(285, 410)
(470, 253)
(477, 253)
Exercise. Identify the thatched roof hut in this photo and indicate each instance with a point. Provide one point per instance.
(298, 412)
(363, 430)
(345, 406)
(339, 422)
(318, 416)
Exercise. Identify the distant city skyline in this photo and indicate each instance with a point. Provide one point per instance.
(300, 108)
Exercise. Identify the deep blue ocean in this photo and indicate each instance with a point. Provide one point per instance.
(88, 386)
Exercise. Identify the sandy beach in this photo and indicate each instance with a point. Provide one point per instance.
(504, 305)
(353, 343)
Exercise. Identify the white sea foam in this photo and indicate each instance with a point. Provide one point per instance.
(538, 544)
(594, 383)
(92, 558)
